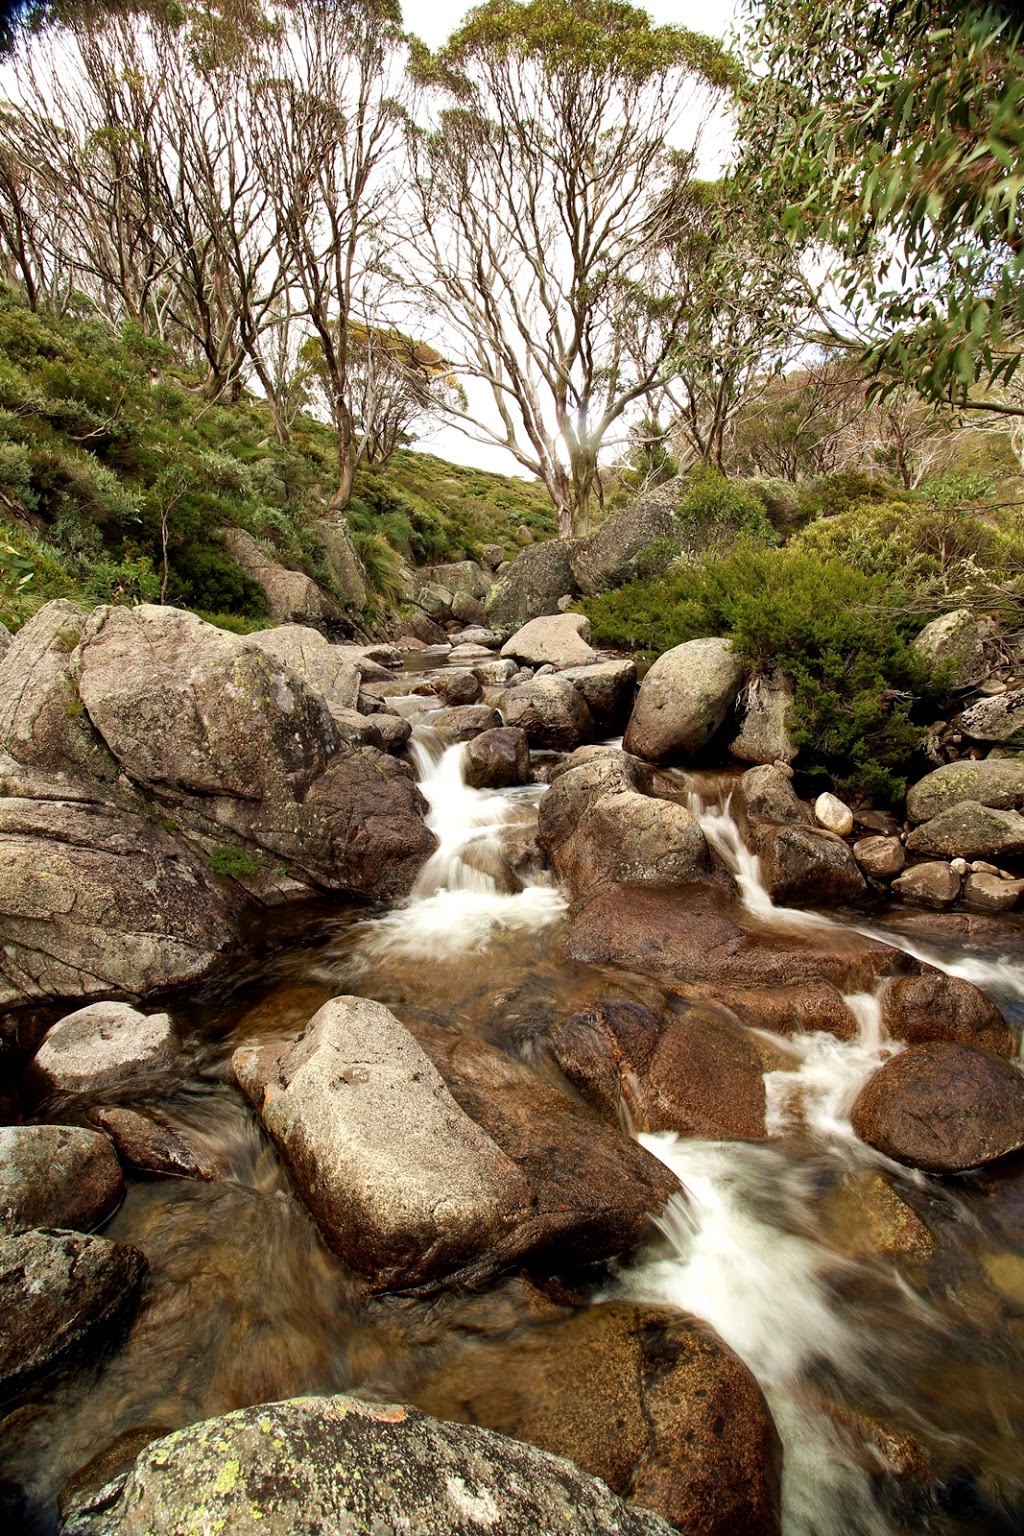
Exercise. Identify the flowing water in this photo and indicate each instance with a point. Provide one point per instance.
(892, 1364)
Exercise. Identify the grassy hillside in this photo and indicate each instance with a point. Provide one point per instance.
(116, 479)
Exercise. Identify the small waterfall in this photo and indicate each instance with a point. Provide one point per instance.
(456, 905)
(764, 1290)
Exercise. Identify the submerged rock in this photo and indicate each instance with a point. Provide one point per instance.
(693, 1439)
(146, 1145)
(58, 1291)
(683, 700)
(57, 1176)
(943, 1107)
(335, 1464)
(102, 1045)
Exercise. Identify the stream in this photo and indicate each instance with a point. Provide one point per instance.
(895, 1380)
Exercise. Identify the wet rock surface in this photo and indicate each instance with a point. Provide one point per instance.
(937, 1007)
(58, 1291)
(57, 1176)
(495, 759)
(149, 1147)
(632, 837)
(323, 1464)
(943, 1107)
(806, 866)
(102, 1045)
(551, 711)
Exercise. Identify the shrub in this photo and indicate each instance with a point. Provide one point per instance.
(237, 863)
(718, 510)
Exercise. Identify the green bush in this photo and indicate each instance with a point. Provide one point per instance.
(718, 510)
(237, 863)
(835, 631)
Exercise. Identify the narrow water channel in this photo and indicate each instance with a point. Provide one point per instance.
(894, 1377)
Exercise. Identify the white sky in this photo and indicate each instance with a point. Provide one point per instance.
(434, 22)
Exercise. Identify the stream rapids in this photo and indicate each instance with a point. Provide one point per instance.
(246, 1304)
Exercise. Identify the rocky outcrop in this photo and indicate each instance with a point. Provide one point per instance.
(765, 710)
(495, 759)
(59, 1291)
(322, 667)
(999, 719)
(345, 565)
(538, 576)
(292, 596)
(5, 639)
(693, 1437)
(430, 1158)
(102, 1046)
(610, 556)
(319, 1464)
(993, 782)
(464, 576)
(94, 900)
(943, 1107)
(551, 711)
(561, 640)
(57, 1176)
(694, 1074)
(951, 646)
(683, 701)
(968, 830)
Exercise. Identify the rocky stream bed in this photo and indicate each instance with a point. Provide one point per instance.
(424, 1113)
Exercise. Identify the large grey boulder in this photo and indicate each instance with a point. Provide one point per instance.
(999, 719)
(683, 700)
(560, 639)
(403, 1184)
(952, 645)
(319, 1465)
(464, 576)
(538, 576)
(57, 1176)
(628, 837)
(551, 711)
(292, 596)
(995, 782)
(765, 707)
(321, 666)
(94, 900)
(59, 1291)
(968, 830)
(101, 1046)
(609, 558)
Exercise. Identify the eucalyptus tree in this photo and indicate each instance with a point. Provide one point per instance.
(547, 189)
(897, 129)
(327, 105)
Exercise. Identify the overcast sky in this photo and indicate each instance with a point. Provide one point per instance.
(434, 22)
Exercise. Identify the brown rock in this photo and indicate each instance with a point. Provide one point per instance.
(767, 793)
(865, 1216)
(694, 1074)
(806, 866)
(607, 688)
(814, 1005)
(576, 788)
(882, 858)
(150, 1147)
(937, 1007)
(457, 686)
(629, 837)
(929, 885)
(463, 722)
(647, 1399)
(551, 711)
(496, 759)
(942, 1107)
(988, 893)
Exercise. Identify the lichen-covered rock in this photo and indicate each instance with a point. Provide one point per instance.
(766, 717)
(609, 557)
(102, 1045)
(551, 711)
(458, 576)
(607, 687)
(5, 639)
(322, 666)
(943, 1107)
(683, 700)
(968, 830)
(560, 639)
(538, 576)
(993, 782)
(94, 900)
(403, 1184)
(316, 1465)
(58, 1292)
(952, 645)
(999, 719)
(57, 1176)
